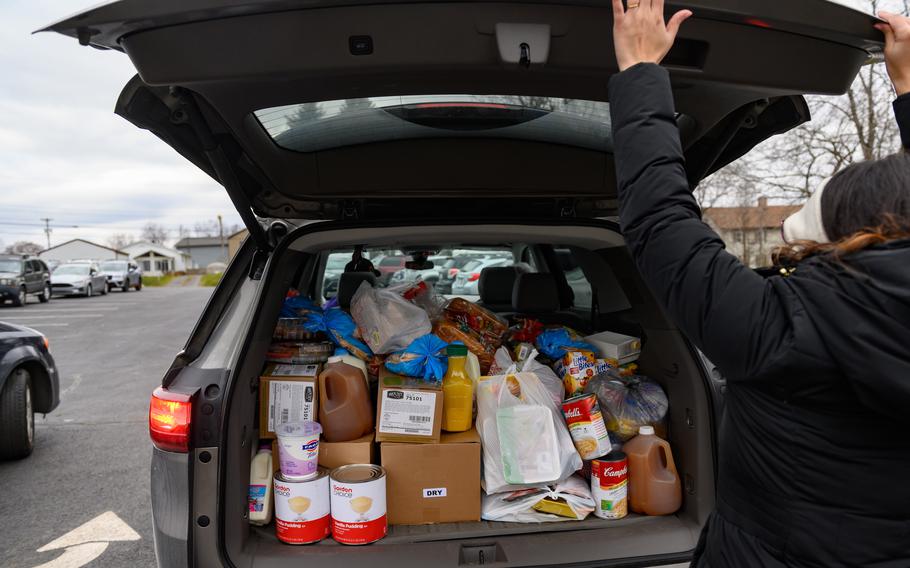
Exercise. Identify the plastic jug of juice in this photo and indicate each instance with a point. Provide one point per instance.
(346, 357)
(260, 496)
(654, 487)
(457, 391)
(345, 410)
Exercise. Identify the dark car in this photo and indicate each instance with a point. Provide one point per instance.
(328, 126)
(29, 383)
(23, 277)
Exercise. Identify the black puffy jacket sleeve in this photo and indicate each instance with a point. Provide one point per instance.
(901, 107)
(736, 317)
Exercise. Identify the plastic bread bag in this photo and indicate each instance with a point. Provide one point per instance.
(342, 331)
(524, 436)
(554, 342)
(483, 321)
(629, 402)
(451, 332)
(387, 321)
(569, 500)
(425, 358)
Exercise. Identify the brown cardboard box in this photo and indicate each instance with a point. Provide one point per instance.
(337, 454)
(433, 483)
(287, 393)
(407, 409)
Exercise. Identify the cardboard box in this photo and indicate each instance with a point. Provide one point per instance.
(407, 409)
(433, 483)
(337, 454)
(287, 393)
(623, 348)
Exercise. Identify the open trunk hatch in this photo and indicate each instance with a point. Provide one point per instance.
(317, 110)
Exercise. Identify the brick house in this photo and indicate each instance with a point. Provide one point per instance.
(751, 233)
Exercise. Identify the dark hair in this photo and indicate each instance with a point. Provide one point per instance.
(863, 205)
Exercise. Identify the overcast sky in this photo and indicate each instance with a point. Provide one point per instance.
(65, 155)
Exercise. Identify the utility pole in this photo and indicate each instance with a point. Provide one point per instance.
(221, 237)
(47, 230)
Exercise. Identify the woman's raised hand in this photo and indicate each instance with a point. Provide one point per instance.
(897, 49)
(640, 34)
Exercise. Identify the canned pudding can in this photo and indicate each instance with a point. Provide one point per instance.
(302, 508)
(358, 504)
(610, 485)
(586, 424)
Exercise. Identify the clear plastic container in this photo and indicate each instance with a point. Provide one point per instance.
(529, 446)
(654, 487)
(457, 392)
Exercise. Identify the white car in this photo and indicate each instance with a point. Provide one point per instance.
(467, 280)
(78, 279)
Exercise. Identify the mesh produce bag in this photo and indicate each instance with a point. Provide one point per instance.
(629, 402)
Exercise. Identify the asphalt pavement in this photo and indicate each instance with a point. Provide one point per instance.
(92, 453)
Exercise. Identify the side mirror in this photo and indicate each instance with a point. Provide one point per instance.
(92, 272)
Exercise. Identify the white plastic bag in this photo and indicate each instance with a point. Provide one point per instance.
(387, 321)
(518, 506)
(503, 365)
(525, 439)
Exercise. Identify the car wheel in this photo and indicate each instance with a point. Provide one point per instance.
(21, 298)
(45, 295)
(139, 285)
(88, 291)
(126, 285)
(104, 290)
(17, 416)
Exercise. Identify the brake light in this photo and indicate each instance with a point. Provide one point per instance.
(474, 277)
(47, 343)
(758, 23)
(169, 420)
(452, 273)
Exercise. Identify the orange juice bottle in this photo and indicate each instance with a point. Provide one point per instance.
(457, 391)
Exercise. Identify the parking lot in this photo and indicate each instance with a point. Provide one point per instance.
(91, 455)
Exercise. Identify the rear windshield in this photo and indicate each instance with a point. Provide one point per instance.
(310, 127)
(113, 266)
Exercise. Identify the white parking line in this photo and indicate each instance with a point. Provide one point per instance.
(30, 318)
(56, 309)
(42, 324)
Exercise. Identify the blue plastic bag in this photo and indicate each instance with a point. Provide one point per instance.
(340, 327)
(555, 342)
(425, 358)
(298, 306)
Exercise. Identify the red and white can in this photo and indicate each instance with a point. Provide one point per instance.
(302, 509)
(586, 424)
(610, 485)
(358, 504)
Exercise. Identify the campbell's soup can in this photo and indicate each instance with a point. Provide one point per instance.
(302, 508)
(610, 485)
(586, 424)
(358, 504)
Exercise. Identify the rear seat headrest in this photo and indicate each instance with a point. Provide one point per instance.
(535, 293)
(348, 284)
(496, 284)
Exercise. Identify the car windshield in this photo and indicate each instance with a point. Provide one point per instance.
(78, 269)
(113, 266)
(314, 126)
(7, 265)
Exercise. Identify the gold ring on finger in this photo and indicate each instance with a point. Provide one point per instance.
(633, 5)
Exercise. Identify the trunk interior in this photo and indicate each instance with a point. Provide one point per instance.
(625, 306)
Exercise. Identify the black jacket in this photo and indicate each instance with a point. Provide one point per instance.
(814, 457)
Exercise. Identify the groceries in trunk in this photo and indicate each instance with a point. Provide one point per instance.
(410, 408)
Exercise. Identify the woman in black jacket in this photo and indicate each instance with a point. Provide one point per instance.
(814, 457)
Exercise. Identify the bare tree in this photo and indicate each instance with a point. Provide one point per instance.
(24, 247)
(120, 240)
(844, 130)
(154, 233)
(205, 228)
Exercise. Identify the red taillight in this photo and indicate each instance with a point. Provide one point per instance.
(452, 273)
(169, 420)
(474, 277)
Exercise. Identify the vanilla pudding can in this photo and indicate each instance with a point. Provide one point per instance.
(302, 508)
(358, 504)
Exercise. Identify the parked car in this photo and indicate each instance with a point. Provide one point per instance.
(333, 269)
(122, 274)
(23, 277)
(29, 383)
(78, 279)
(389, 265)
(467, 279)
(234, 89)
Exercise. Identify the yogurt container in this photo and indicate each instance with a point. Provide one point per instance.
(298, 449)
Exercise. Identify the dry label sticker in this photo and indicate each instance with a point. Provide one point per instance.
(294, 371)
(290, 401)
(407, 412)
(435, 492)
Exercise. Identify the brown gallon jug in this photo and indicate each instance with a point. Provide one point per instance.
(654, 487)
(345, 410)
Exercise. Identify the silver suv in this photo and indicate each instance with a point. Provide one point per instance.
(330, 126)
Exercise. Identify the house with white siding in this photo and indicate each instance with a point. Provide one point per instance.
(81, 249)
(157, 260)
